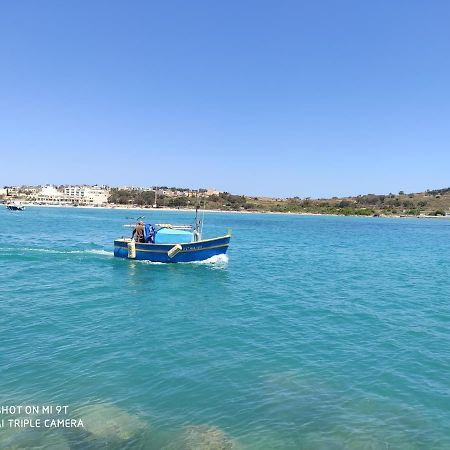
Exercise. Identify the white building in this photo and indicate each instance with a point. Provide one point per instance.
(212, 191)
(75, 192)
(51, 191)
(97, 196)
(50, 195)
(87, 194)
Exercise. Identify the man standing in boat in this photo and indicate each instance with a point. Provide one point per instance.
(139, 232)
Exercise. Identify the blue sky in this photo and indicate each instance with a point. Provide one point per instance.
(281, 98)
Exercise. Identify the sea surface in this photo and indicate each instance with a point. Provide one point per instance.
(313, 333)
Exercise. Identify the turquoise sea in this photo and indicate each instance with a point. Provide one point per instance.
(315, 333)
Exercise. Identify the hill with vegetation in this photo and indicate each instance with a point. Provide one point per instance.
(432, 202)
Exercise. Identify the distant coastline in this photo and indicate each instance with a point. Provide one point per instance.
(429, 204)
(165, 209)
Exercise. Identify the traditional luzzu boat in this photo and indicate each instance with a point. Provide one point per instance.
(167, 243)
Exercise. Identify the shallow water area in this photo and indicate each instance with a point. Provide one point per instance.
(312, 333)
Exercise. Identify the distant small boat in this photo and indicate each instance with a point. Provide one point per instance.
(14, 206)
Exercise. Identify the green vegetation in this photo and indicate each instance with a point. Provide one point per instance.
(435, 202)
(429, 203)
(131, 197)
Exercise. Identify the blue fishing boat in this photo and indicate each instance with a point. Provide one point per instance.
(167, 243)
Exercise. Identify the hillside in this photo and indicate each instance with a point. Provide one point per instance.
(431, 202)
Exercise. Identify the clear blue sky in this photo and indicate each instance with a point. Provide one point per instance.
(283, 98)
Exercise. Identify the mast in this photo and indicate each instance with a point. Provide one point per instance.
(202, 221)
(156, 196)
(196, 229)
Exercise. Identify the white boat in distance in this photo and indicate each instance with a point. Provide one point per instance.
(15, 206)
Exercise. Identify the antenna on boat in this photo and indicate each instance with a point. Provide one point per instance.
(196, 229)
(136, 220)
(156, 196)
(203, 216)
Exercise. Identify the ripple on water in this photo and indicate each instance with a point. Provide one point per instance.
(313, 333)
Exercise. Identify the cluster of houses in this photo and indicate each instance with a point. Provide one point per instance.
(62, 195)
(83, 195)
(173, 192)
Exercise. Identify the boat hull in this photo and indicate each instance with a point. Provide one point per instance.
(190, 252)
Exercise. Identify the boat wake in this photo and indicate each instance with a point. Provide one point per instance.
(56, 251)
(99, 252)
(217, 262)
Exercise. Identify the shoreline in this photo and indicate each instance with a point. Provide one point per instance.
(137, 208)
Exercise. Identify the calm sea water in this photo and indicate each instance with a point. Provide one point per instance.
(315, 333)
